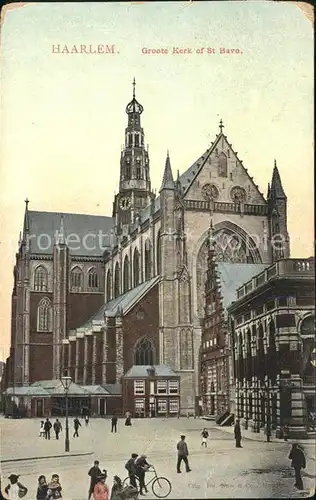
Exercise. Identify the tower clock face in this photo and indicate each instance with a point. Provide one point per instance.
(125, 203)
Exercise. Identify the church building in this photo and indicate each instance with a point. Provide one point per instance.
(96, 295)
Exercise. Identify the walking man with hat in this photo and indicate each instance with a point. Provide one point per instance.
(183, 454)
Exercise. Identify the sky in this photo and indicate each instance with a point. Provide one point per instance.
(63, 115)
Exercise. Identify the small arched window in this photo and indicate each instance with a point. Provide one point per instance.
(136, 267)
(148, 259)
(117, 281)
(144, 353)
(40, 279)
(222, 165)
(44, 316)
(126, 275)
(108, 286)
(76, 280)
(93, 281)
(158, 253)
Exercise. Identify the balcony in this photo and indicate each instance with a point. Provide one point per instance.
(286, 268)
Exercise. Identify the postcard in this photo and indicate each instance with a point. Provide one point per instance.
(157, 250)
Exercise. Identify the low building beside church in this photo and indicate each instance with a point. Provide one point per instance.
(272, 334)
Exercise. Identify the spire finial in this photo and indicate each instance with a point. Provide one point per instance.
(211, 234)
(134, 85)
(167, 153)
(27, 201)
(61, 235)
(221, 126)
(275, 163)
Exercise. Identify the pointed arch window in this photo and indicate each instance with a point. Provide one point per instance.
(108, 286)
(44, 316)
(158, 253)
(40, 279)
(136, 267)
(117, 281)
(144, 352)
(148, 259)
(76, 279)
(93, 281)
(222, 165)
(126, 275)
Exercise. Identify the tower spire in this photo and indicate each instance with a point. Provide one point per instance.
(277, 190)
(167, 180)
(134, 85)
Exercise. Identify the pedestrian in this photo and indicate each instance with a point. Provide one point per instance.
(128, 418)
(2, 497)
(183, 454)
(57, 428)
(42, 488)
(94, 472)
(204, 435)
(47, 428)
(101, 490)
(286, 432)
(77, 424)
(15, 489)
(130, 466)
(237, 434)
(298, 462)
(114, 423)
(42, 432)
(54, 488)
(119, 492)
(86, 419)
(142, 467)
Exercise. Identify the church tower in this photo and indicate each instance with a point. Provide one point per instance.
(135, 186)
(277, 202)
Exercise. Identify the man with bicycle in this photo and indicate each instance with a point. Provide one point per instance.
(141, 467)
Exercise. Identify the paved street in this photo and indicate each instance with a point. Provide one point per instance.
(257, 470)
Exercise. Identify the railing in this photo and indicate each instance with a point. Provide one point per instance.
(285, 267)
(219, 206)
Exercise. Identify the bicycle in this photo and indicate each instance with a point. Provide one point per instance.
(160, 485)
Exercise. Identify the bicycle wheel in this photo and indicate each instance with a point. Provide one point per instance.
(161, 487)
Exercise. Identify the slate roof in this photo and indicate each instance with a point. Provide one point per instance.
(26, 391)
(124, 302)
(44, 229)
(232, 276)
(140, 371)
(113, 388)
(95, 389)
(55, 388)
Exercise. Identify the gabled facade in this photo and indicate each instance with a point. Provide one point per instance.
(163, 237)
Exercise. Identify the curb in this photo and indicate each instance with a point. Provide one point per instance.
(45, 458)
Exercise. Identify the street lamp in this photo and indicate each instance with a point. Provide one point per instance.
(66, 382)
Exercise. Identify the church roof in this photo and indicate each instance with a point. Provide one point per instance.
(123, 303)
(141, 371)
(55, 387)
(85, 235)
(232, 276)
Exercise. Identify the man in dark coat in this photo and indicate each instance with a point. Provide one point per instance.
(298, 462)
(141, 466)
(94, 473)
(237, 434)
(114, 423)
(47, 428)
(77, 424)
(130, 466)
(57, 428)
(183, 454)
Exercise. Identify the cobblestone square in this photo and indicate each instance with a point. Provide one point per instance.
(257, 470)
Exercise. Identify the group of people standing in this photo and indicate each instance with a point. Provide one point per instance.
(100, 490)
(46, 427)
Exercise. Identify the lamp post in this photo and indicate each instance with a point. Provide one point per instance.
(66, 382)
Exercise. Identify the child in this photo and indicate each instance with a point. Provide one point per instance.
(42, 432)
(204, 435)
(54, 488)
(15, 489)
(41, 488)
(101, 490)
